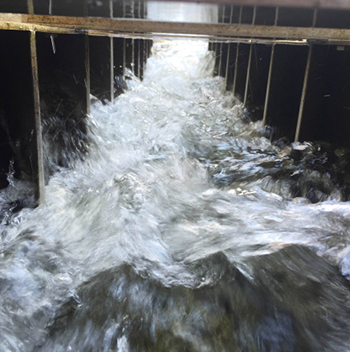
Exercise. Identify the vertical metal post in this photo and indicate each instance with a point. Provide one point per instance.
(267, 96)
(237, 57)
(111, 67)
(133, 40)
(136, 42)
(111, 12)
(142, 62)
(220, 50)
(124, 57)
(37, 112)
(124, 45)
(139, 58)
(248, 75)
(220, 10)
(305, 84)
(87, 65)
(236, 71)
(132, 8)
(303, 94)
(145, 48)
(249, 65)
(51, 36)
(228, 51)
(314, 20)
(220, 60)
(133, 55)
(144, 3)
(214, 50)
(141, 11)
(111, 56)
(87, 73)
(30, 5)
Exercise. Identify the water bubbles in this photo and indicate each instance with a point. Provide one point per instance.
(180, 210)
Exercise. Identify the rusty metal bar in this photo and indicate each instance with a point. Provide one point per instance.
(226, 39)
(303, 94)
(37, 112)
(320, 4)
(150, 36)
(107, 26)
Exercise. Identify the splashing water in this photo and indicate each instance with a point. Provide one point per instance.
(177, 233)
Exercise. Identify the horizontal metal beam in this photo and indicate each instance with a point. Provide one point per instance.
(317, 4)
(106, 26)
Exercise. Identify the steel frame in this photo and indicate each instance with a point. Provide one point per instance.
(138, 27)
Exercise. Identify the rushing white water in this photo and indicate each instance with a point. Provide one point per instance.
(182, 12)
(147, 196)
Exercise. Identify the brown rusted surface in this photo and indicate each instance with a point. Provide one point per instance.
(39, 143)
(62, 24)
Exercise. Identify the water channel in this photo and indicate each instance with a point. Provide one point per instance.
(183, 229)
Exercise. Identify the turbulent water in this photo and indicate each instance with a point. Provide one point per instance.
(184, 229)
